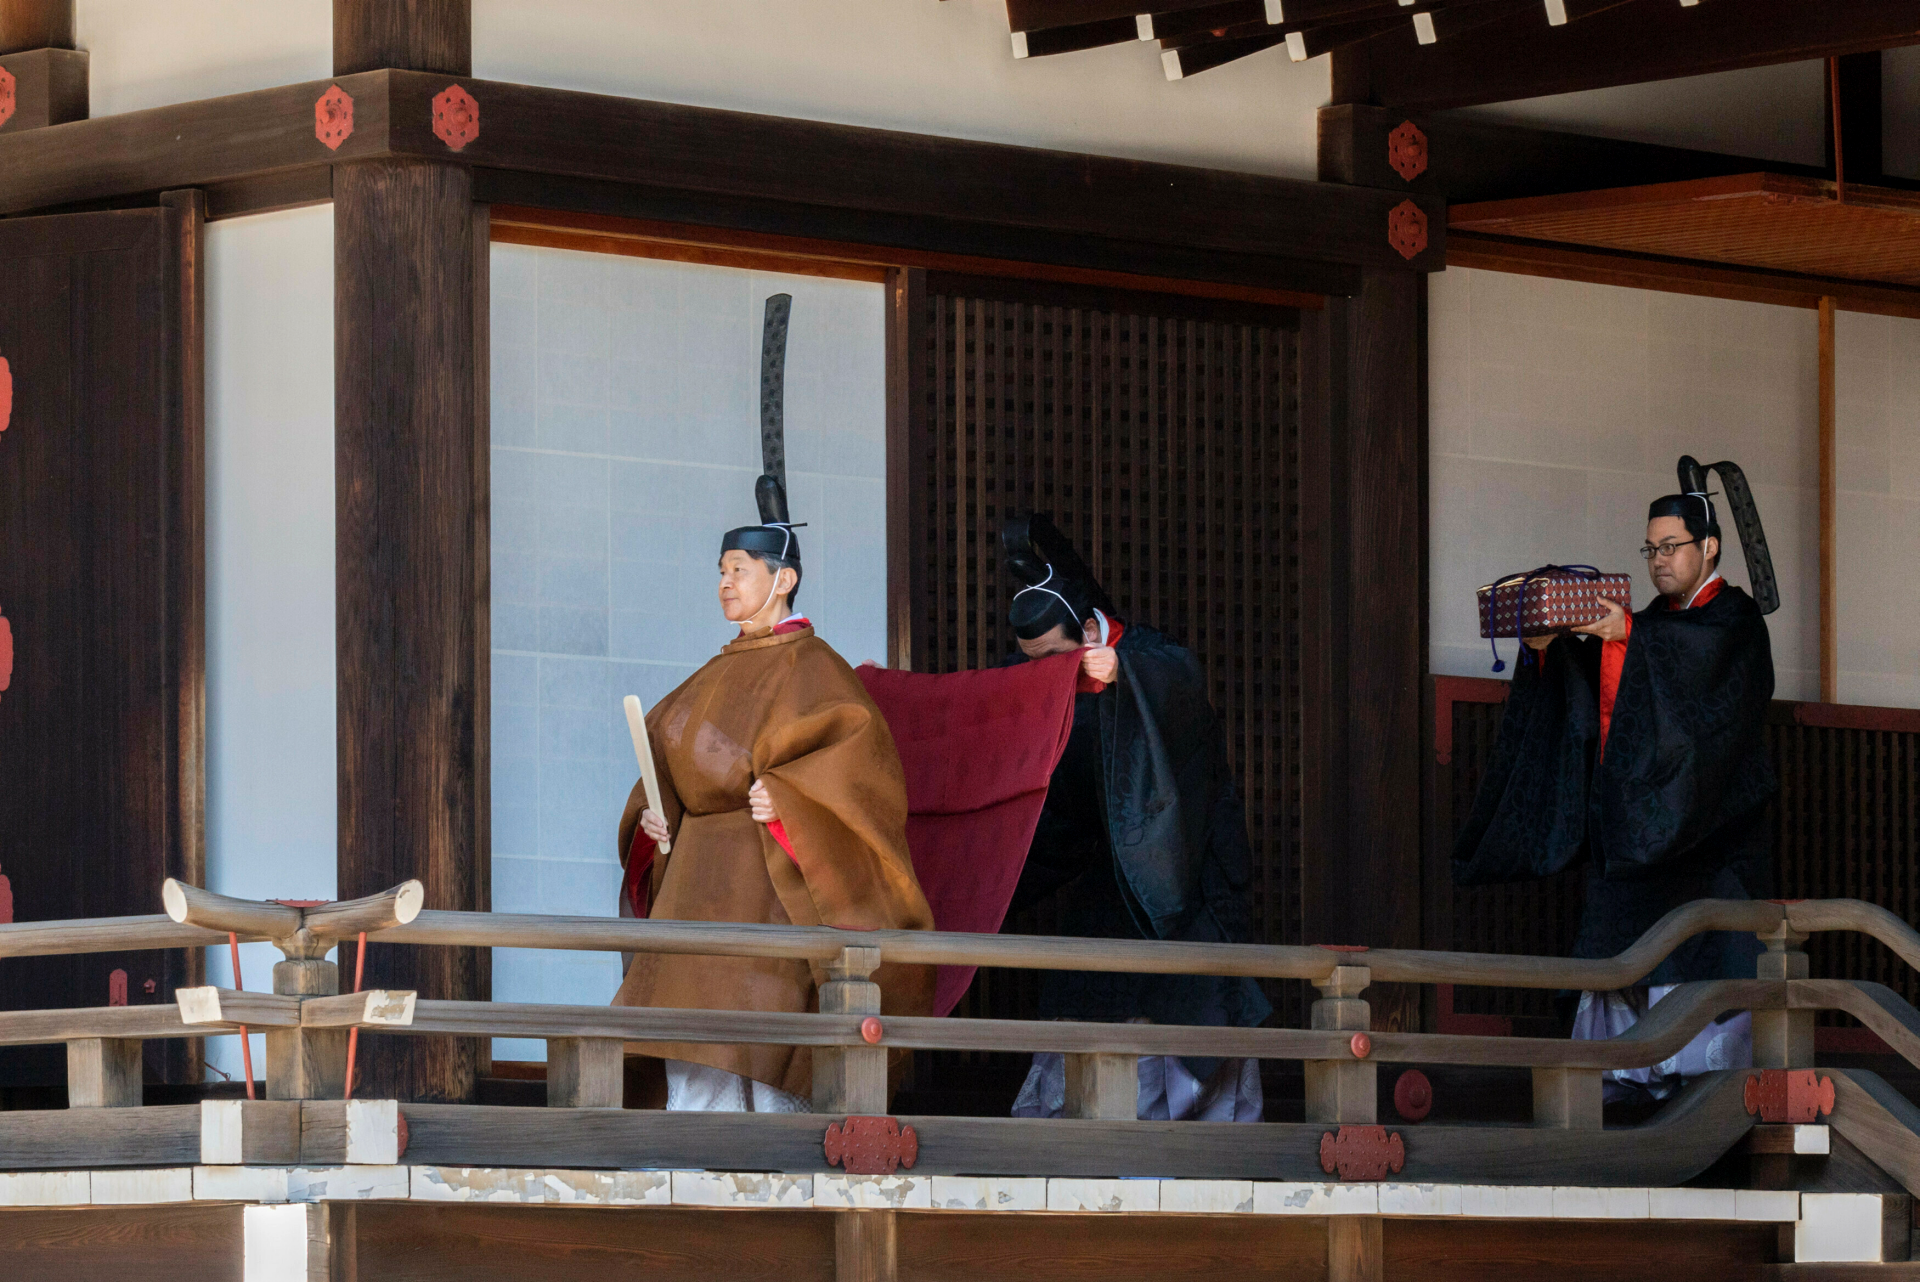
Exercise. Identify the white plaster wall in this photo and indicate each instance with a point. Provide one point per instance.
(921, 65)
(626, 440)
(148, 53)
(1558, 410)
(271, 808)
(1773, 113)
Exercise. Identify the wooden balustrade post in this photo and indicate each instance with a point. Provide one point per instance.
(1342, 1090)
(1782, 1038)
(1103, 1087)
(306, 1063)
(104, 1072)
(1568, 1098)
(585, 1072)
(850, 1079)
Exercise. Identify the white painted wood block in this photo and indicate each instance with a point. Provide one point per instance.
(198, 1005)
(220, 1132)
(389, 1006)
(1103, 1195)
(1817, 1140)
(1506, 1201)
(284, 1244)
(144, 1187)
(628, 1188)
(1575, 1203)
(1837, 1227)
(475, 1184)
(347, 1183)
(1272, 1198)
(740, 1188)
(989, 1193)
(1693, 1204)
(1207, 1197)
(1768, 1206)
(1420, 1199)
(373, 1132)
(873, 1192)
(240, 1184)
(45, 1188)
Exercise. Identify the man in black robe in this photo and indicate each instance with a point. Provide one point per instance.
(1143, 835)
(1640, 747)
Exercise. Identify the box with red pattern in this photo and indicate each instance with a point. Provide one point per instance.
(1553, 598)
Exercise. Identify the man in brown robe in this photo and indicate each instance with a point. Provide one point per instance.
(784, 803)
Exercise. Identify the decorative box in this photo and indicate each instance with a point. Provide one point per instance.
(1550, 599)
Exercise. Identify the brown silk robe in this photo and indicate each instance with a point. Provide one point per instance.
(787, 710)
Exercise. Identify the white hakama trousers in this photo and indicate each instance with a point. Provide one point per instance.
(695, 1088)
(1168, 1092)
(1727, 1044)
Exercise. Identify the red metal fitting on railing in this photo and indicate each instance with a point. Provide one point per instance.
(1361, 1045)
(1797, 1095)
(870, 1146)
(871, 1030)
(1362, 1153)
(1413, 1095)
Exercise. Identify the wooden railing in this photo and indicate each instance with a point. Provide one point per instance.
(306, 1120)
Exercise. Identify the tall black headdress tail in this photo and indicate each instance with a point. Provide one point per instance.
(774, 535)
(1746, 521)
(1035, 549)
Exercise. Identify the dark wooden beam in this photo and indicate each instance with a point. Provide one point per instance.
(1860, 117)
(411, 575)
(1472, 160)
(1042, 15)
(1085, 35)
(697, 154)
(1521, 56)
(419, 35)
(35, 24)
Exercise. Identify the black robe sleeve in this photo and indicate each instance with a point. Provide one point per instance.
(1529, 818)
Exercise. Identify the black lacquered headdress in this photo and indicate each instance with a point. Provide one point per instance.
(1695, 501)
(774, 536)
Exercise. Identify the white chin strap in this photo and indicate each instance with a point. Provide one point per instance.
(772, 592)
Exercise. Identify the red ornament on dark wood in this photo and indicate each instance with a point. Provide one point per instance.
(1407, 229)
(1413, 1095)
(9, 97)
(333, 117)
(871, 1146)
(1362, 1153)
(117, 988)
(1797, 1095)
(6, 393)
(1407, 151)
(6, 882)
(456, 117)
(6, 679)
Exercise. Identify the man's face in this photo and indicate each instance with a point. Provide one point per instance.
(1681, 574)
(746, 585)
(1056, 641)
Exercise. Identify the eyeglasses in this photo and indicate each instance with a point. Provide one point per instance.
(1666, 550)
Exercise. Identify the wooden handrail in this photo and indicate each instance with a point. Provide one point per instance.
(265, 918)
(1810, 916)
(104, 935)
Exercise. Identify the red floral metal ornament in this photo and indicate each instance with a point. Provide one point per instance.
(333, 117)
(6, 679)
(9, 97)
(1362, 1153)
(871, 1146)
(1407, 229)
(456, 117)
(6, 397)
(1407, 151)
(1798, 1095)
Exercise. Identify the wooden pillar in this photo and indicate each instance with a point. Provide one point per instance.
(49, 74)
(1363, 522)
(1829, 502)
(865, 1246)
(416, 35)
(411, 571)
(1355, 1248)
(906, 466)
(850, 1079)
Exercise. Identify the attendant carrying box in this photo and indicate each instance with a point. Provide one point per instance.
(1550, 599)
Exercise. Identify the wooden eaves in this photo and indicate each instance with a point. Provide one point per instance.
(1766, 237)
(594, 153)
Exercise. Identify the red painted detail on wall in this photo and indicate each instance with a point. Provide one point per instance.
(6, 891)
(1407, 229)
(1362, 1153)
(1343, 948)
(1361, 1045)
(6, 393)
(7, 96)
(6, 657)
(404, 1136)
(1413, 1095)
(1407, 151)
(1798, 1095)
(872, 1030)
(1469, 1025)
(456, 117)
(333, 117)
(871, 1146)
(117, 988)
